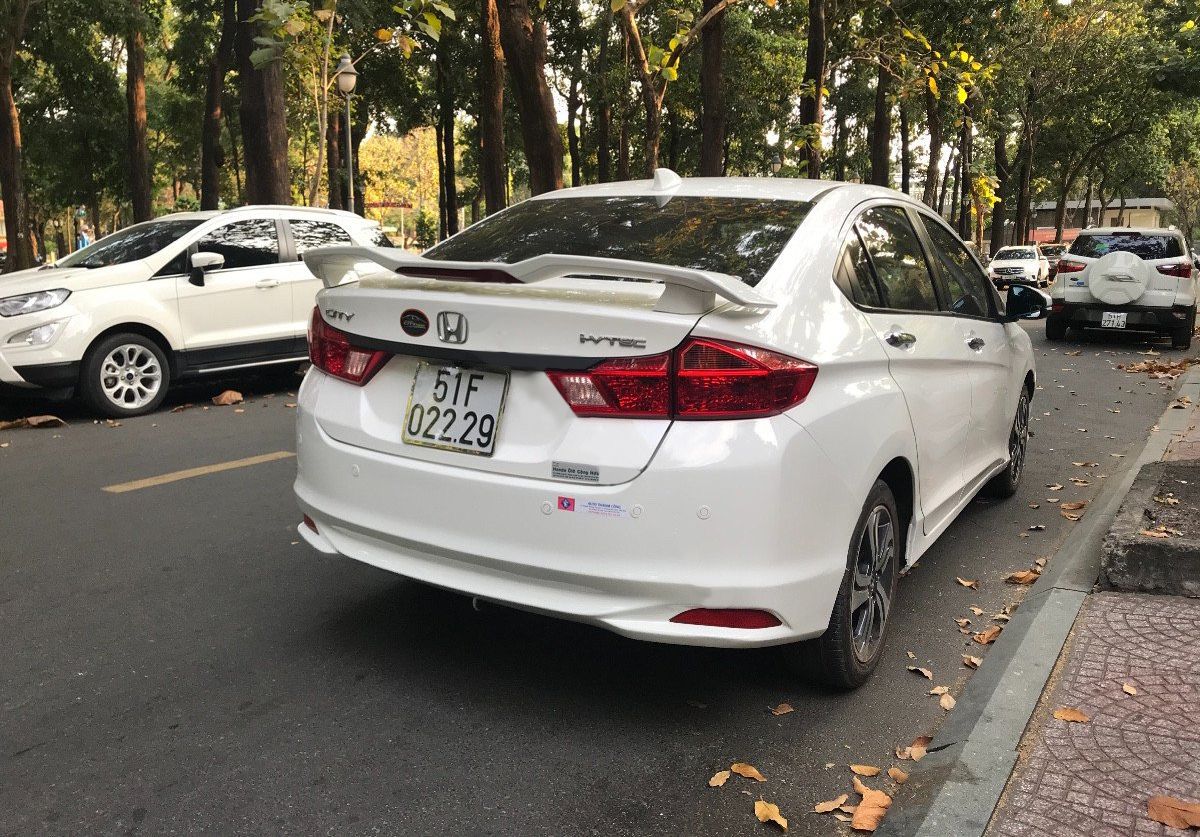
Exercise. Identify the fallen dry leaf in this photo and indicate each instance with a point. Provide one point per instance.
(1038, 527)
(939, 690)
(1086, 464)
(842, 817)
(972, 662)
(1054, 486)
(1072, 506)
(718, 779)
(1154, 533)
(864, 770)
(1071, 516)
(978, 611)
(783, 709)
(290, 406)
(747, 770)
(849, 809)
(988, 635)
(962, 623)
(1079, 482)
(973, 584)
(916, 750)
(898, 775)
(1022, 577)
(871, 809)
(924, 672)
(182, 407)
(1167, 501)
(1075, 353)
(1066, 713)
(831, 805)
(33, 421)
(947, 701)
(1035, 505)
(1129, 688)
(769, 812)
(1173, 812)
(227, 398)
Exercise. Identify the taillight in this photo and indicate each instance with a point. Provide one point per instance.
(1065, 266)
(702, 379)
(1183, 270)
(332, 352)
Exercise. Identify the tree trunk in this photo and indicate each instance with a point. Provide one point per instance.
(603, 117)
(951, 162)
(1121, 211)
(263, 116)
(839, 146)
(1060, 212)
(966, 156)
(1087, 205)
(712, 95)
(648, 88)
(334, 137)
(1021, 226)
(441, 178)
(1003, 172)
(212, 156)
(572, 123)
(491, 109)
(905, 151)
(135, 102)
(445, 85)
(237, 159)
(933, 124)
(881, 131)
(812, 103)
(672, 141)
(12, 181)
(524, 44)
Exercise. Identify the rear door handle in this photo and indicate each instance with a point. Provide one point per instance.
(266, 283)
(900, 339)
(976, 344)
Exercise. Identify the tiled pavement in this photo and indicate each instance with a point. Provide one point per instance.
(1093, 779)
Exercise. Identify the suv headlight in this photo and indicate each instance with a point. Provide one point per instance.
(12, 306)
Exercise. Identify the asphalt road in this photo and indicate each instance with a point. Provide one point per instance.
(174, 661)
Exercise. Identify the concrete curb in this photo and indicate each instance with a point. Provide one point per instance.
(955, 789)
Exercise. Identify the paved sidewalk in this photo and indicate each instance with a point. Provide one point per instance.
(1095, 778)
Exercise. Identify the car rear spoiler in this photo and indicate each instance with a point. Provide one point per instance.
(687, 291)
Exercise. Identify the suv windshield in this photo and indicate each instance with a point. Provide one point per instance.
(1151, 246)
(129, 244)
(738, 236)
(1016, 253)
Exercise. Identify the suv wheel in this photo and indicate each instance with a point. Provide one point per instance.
(1056, 328)
(124, 375)
(846, 654)
(1181, 338)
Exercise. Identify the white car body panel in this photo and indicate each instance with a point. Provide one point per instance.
(749, 513)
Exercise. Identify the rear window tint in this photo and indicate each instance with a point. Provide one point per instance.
(739, 236)
(1095, 245)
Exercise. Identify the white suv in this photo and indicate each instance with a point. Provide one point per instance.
(1125, 278)
(183, 295)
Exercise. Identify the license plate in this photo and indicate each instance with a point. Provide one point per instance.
(455, 408)
(1113, 319)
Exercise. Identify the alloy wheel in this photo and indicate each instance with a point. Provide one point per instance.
(1018, 439)
(130, 376)
(874, 577)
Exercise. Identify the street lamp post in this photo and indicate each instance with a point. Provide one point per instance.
(776, 164)
(346, 77)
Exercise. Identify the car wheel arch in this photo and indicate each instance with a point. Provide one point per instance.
(900, 477)
(147, 331)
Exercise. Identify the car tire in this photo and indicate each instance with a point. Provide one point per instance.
(1005, 483)
(124, 375)
(1056, 328)
(845, 655)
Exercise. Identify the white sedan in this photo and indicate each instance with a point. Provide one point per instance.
(719, 412)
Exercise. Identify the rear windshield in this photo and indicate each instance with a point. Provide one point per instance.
(1054, 249)
(738, 236)
(1016, 253)
(1095, 245)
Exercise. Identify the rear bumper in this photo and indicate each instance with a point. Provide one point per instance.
(716, 525)
(1157, 319)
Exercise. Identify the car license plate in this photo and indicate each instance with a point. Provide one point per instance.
(455, 408)
(1113, 319)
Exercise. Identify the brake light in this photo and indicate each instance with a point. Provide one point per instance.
(331, 351)
(1183, 270)
(701, 379)
(1065, 266)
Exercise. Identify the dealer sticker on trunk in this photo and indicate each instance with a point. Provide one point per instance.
(574, 471)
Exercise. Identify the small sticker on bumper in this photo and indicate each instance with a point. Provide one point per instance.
(575, 472)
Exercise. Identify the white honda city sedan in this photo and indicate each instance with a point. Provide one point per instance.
(719, 412)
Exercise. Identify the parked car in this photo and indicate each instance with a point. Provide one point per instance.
(1127, 279)
(1052, 253)
(1019, 265)
(719, 412)
(184, 295)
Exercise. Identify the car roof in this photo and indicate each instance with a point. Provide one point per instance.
(1128, 230)
(204, 215)
(666, 181)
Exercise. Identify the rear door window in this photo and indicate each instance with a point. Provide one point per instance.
(1145, 246)
(311, 234)
(897, 258)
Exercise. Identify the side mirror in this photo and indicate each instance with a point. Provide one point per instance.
(202, 262)
(1024, 303)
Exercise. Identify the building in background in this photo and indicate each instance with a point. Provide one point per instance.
(1137, 212)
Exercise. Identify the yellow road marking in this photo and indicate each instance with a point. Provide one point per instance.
(188, 473)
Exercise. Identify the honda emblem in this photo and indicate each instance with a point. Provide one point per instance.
(451, 327)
